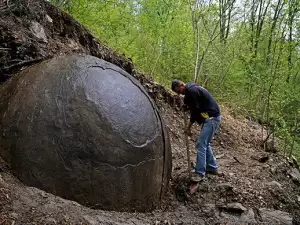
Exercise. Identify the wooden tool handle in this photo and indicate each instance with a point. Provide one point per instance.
(186, 139)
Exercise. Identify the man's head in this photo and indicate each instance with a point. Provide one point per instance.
(178, 86)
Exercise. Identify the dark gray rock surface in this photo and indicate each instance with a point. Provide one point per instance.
(84, 129)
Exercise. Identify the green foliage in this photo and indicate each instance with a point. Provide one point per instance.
(255, 66)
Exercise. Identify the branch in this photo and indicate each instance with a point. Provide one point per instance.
(4, 49)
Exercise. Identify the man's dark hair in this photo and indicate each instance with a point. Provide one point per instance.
(175, 84)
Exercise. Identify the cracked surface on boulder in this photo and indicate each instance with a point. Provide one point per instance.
(84, 129)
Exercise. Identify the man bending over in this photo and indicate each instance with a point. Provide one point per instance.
(204, 110)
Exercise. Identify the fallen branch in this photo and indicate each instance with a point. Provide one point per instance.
(4, 49)
(267, 138)
(236, 159)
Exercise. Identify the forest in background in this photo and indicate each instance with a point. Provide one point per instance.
(246, 52)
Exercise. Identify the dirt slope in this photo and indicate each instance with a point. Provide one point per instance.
(265, 190)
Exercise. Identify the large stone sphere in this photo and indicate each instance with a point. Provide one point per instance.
(84, 129)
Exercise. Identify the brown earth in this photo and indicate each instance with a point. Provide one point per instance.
(247, 179)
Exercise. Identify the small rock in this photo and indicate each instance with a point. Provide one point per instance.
(75, 203)
(13, 215)
(298, 199)
(274, 217)
(220, 156)
(273, 170)
(2, 182)
(224, 187)
(38, 31)
(167, 222)
(295, 175)
(265, 166)
(49, 221)
(72, 44)
(224, 215)
(66, 218)
(183, 209)
(234, 207)
(90, 220)
(208, 208)
(204, 186)
(44, 195)
(50, 20)
(231, 174)
(250, 118)
(274, 184)
(248, 217)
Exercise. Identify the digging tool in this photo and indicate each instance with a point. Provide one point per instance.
(193, 186)
(186, 140)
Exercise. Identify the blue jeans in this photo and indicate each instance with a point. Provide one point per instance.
(205, 156)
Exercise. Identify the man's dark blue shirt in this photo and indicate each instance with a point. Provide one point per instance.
(201, 103)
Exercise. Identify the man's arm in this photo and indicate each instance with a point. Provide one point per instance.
(191, 101)
(191, 122)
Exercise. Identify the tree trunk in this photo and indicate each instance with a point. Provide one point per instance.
(291, 14)
(260, 23)
(278, 9)
(294, 136)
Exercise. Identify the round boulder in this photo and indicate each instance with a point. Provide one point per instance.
(84, 129)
